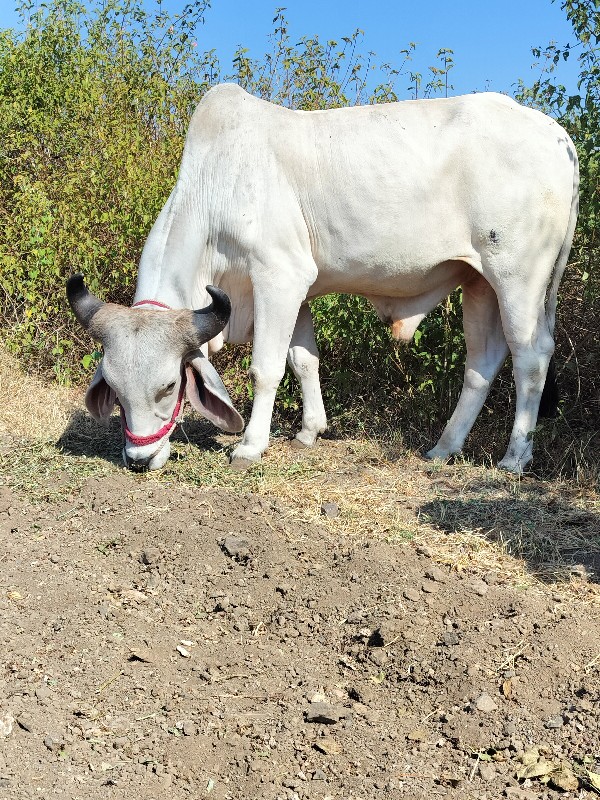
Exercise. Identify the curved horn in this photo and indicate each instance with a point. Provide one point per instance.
(84, 304)
(211, 320)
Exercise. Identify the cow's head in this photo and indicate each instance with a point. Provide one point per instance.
(151, 357)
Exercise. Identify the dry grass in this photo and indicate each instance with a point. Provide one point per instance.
(476, 518)
(470, 517)
(30, 408)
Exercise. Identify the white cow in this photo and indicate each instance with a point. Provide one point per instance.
(401, 203)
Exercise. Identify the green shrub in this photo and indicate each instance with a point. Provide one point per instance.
(93, 110)
(94, 105)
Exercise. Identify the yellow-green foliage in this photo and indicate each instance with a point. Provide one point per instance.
(580, 114)
(93, 112)
(94, 105)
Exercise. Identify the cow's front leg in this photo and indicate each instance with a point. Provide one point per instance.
(275, 315)
(303, 358)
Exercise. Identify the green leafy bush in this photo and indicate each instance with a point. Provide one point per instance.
(93, 110)
(94, 105)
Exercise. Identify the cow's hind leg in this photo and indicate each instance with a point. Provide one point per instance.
(303, 358)
(486, 352)
(531, 345)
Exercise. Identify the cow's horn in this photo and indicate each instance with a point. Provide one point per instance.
(84, 304)
(211, 320)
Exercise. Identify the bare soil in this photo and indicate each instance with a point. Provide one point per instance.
(167, 640)
(346, 622)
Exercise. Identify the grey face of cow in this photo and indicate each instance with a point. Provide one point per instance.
(147, 356)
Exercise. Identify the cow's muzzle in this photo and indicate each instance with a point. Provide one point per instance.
(137, 464)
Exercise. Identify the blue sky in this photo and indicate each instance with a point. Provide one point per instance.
(492, 41)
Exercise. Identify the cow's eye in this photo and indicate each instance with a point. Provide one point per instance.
(166, 391)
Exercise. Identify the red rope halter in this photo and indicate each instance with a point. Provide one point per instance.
(167, 428)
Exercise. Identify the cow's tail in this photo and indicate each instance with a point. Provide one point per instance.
(549, 401)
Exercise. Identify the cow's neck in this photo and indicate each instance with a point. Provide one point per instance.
(171, 268)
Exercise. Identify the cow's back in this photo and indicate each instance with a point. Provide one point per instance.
(381, 190)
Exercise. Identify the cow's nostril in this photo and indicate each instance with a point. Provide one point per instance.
(137, 465)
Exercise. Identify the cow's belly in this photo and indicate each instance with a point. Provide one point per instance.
(401, 279)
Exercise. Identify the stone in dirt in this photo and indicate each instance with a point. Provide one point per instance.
(355, 617)
(450, 638)
(363, 693)
(26, 722)
(153, 581)
(487, 771)
(479, 587)
(6, 725)
(325, 713)
(150, 556)
(133, 596)
(328, 746)
(43, 693)
(223, 604)
(187, 727)
(411, 594)
(330, 510)
(485, 703)
(435, 574)
(236, 547)
(516, 793)
(143, 654)
(54, 742)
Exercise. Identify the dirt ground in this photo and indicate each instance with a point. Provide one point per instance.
(166, 640)
(346, 622)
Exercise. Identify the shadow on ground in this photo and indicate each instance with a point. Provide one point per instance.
(557, 539)
(83, 436)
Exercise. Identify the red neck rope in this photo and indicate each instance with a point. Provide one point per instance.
(150, 303)
(168, 428)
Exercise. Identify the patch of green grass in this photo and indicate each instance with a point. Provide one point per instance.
(43, 472)
(400, 534)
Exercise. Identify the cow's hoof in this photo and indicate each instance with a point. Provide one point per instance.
(242, 464)
(298, 444)
(510, 465)
(441, 456)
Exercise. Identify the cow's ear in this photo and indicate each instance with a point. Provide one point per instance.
(100, 398)
(208, 395)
